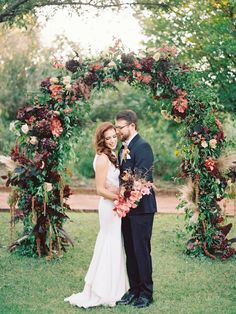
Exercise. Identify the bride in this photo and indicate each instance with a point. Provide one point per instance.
(106, 280)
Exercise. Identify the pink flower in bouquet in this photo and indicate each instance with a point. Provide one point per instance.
(135, 196)
(137, 185)
(131, 192)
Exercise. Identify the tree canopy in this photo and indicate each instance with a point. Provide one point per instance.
(204, 33)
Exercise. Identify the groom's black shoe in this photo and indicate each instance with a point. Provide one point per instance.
(142, 302)
(127, 298)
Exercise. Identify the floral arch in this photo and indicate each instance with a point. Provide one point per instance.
(45, 126)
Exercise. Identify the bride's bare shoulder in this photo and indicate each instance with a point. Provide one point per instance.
(102, 160)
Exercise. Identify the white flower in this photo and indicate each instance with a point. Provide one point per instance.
(54, 80)
(25, 128)
(56, 113)
(218, 181)
(151, 50)
(33, 140)
(204, 144)
(68, 87)
(111, 64)
(156, 56)
(48, 186)
(12, 126)
(229, 182)
(213, 143)
(66, 80)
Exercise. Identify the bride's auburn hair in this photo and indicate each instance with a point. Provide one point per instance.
(99, 141)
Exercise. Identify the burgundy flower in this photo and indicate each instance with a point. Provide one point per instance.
(45, 83)
(128, 61)
(127, 193)
(84, 89)
(89, 78)
(72, 65)
(24, 113)
(147, 64)
(48, 144)
(42, 128)
(67, 191)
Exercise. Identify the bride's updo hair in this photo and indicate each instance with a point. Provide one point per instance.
(99, 142)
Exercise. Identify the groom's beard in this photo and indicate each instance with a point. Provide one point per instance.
(124, 137)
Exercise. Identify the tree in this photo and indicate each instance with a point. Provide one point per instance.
(204, 33)
(14, 11)
(18, 10)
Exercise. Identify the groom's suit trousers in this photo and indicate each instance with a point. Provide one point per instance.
(137, 231)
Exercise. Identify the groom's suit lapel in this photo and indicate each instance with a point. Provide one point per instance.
(130, 146)
(134, 141)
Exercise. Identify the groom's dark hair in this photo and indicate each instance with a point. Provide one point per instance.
(128, 115)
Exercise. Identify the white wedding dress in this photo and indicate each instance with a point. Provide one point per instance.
(106, 280)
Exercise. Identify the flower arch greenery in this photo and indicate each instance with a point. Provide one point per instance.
(45, 127)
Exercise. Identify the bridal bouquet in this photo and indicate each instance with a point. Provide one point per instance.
(134, 187)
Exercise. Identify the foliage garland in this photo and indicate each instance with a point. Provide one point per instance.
(44, 128)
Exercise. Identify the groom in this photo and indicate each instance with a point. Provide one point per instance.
(136, 154)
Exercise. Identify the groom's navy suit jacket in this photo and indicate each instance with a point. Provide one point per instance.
(141, 160)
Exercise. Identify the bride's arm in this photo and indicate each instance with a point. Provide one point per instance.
(102, 164)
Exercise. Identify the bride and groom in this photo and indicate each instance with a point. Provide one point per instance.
(120, 272)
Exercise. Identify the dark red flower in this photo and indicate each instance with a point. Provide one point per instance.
(147, 64)
(72, 65)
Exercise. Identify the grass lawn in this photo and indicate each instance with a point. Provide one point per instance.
(182, 284)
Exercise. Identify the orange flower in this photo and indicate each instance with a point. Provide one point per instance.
(67, 110)
(56, 127)
(210, 164)
(55, 89)
(146, 79)
(180, 104)
(96, 67)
